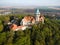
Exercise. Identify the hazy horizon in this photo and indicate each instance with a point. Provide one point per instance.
(11, 3)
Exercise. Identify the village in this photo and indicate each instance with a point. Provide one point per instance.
(26, 22)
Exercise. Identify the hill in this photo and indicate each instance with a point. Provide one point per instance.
(41, 34)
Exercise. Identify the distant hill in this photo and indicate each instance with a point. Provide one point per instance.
(55, 7)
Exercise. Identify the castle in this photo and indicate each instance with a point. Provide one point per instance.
(27, 21)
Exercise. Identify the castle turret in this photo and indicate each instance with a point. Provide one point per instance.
(37, 14)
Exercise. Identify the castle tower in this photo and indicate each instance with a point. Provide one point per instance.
(37, 14)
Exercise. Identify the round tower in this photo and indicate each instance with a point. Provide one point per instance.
(37, 14)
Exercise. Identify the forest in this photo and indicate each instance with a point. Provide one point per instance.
(40, 34)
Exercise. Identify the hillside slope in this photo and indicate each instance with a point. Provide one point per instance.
(40, 34)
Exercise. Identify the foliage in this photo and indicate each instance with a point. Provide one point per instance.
(40, 34)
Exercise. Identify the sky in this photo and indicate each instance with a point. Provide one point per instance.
(29, 2)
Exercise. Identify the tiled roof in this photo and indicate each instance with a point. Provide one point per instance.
(28, 18)
(15, 27)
